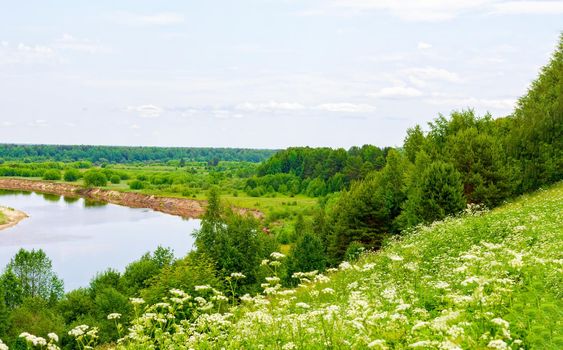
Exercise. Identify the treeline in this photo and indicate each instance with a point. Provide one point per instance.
(315, 171)
(460, 160)
(126, 154)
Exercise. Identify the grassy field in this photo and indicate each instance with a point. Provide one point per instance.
(486, 280)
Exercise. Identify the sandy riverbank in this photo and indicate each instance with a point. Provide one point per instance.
(185, 207)
(13, 216)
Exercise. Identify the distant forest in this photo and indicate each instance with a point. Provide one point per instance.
(127, 154)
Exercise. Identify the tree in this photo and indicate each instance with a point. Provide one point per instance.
(233, 242)
(536, 138)
(34, 271)
(440, 194)
(95, 177)
(306, 255)
(13, 291)
(52, 174)
(71, 175)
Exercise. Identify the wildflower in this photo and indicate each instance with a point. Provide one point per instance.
(441, 285)
(500, 322)
(78, 330)
(114, 316)
(277, 256)
(202, 288)
(303, 305)
(345, 265)
(136, 301)
(178, 293)
(273, 279)
(3, 346)
(378, 343)
(289, 346)
(497, 344)
(264, 262)
(328, 291)
(237, 275)
(395, 257)
(53, 337)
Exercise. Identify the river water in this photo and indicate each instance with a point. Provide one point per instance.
(83, 237)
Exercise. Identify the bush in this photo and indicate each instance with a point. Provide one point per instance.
(52, 174)
(94, 178)
(136, 185)
(71, 175)
(115, 179)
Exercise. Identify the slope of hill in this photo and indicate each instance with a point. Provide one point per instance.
(487, 279)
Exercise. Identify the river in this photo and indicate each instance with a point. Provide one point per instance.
(83, 237)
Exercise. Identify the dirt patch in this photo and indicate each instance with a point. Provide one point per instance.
(13, 216)
(188, 208)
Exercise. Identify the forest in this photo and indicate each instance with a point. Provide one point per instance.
(326, 210)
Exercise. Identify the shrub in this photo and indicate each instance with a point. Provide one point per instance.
(136, 185)
(115, 179)
(94, 178)
(71, 175)
(52, 174)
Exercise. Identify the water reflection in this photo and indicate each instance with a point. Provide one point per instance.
(83, 237)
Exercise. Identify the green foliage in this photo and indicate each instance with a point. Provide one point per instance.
(536, 132)
(123, 154)
(308, 254)
(193, 270)
(233, 242)
(52, 174)
(115, 179)
(71, 175)
(136, 185)
(94, 178)
(34, 274)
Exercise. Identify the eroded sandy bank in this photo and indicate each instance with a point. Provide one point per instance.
(185, 207)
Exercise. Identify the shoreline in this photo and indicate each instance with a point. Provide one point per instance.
(184, 207)
(13, 216)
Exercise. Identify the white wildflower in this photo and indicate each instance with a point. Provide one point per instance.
(114, 316)
(497, 344)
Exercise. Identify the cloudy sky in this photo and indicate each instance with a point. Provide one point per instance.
(261, 73)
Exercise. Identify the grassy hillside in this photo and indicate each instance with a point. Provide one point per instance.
(484, 280)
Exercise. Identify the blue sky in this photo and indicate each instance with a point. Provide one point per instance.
(261, 73)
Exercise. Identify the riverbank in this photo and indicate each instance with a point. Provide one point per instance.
(184, 207)
(10, 217)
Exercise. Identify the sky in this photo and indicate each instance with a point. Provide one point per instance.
(261, 73)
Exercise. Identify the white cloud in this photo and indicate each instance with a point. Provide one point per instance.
(27, 54)
(345, 107)
(460, 102)
(421, 76)
(529, 7)
(436, 10)
(146, 111)
(69, 42)
(6, 124)
(271, 106)
(162, 18)
(38, 123)
(414, 10)
(397, 92)
(423, 46)
(134, 126)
